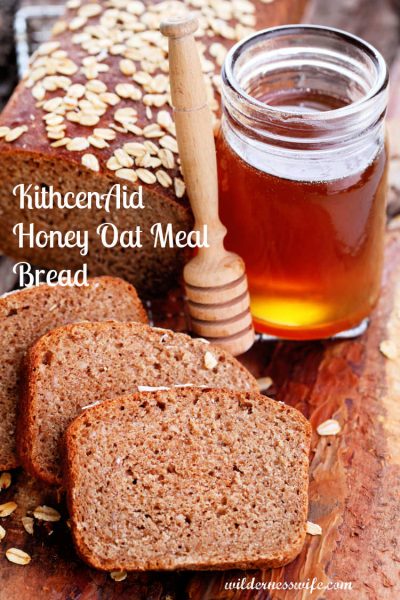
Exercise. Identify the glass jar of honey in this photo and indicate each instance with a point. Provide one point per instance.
(302, 176)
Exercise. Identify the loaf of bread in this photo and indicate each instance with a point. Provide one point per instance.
(75, 366)
(28, 314)
(188, 479)
(94, 110)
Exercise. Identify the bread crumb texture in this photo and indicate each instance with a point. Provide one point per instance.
(27, 314)
(77, 366)
(188, 479)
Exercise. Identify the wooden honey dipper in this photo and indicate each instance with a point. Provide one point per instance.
(215, 279)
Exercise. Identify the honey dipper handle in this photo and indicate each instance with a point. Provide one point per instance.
(194, 130)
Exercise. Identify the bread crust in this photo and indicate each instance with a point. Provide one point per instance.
(24, 420)
(71, 450)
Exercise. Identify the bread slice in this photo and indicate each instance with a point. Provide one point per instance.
(27, 314)
(188, 479)
(78, 365)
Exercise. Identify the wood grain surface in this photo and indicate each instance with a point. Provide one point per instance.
(354, 481)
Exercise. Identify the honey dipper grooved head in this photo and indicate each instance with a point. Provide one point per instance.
(222, 315)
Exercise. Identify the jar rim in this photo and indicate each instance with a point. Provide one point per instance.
(379, 85)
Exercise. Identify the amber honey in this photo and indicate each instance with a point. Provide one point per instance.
(313, 251)
(303, 200)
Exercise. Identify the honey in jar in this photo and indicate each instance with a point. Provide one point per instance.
(302, 177)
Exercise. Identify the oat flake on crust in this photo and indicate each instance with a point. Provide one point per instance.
(71, 91)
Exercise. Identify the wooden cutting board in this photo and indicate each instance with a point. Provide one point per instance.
(354, 480)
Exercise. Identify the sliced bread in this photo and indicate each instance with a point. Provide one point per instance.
(27, 314)
(188, 479)
(75, 366)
